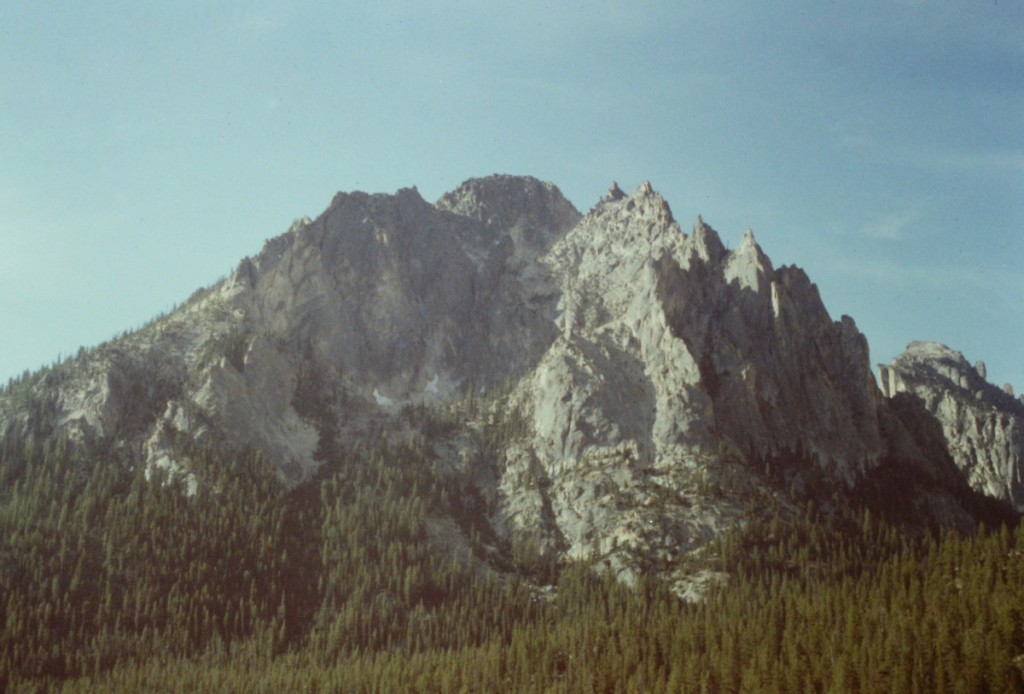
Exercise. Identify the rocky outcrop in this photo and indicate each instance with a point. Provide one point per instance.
(679, 365)
(983, 425)
(407, 300)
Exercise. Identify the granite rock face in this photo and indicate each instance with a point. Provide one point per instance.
(381, 301)
(678, 362)
(983, 425)
(652, 379)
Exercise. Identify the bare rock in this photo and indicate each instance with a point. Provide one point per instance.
(983, 425)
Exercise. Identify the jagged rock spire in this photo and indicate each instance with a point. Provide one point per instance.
(614, 192)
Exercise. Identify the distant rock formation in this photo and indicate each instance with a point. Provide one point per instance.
(983, 425)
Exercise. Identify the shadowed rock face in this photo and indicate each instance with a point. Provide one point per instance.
(397, 294)
(983, 425)
(654, 374)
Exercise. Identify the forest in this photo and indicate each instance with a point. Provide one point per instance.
(114, 580)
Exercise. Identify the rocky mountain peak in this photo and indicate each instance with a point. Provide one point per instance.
(643, 380)
(503, 201)
(749, 266)
(370, 204)
(945, 368)
(748, 244)
(649, 203)
(983, 424)
(614, 193)
(706, 241)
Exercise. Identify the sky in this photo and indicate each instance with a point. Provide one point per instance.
(146, 147)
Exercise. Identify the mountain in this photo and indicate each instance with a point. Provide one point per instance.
(982, 425)
(607, 386)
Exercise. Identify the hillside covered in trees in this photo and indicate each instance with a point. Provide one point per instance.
(113, 581)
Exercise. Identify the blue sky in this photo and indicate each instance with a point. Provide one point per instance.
(146, 147)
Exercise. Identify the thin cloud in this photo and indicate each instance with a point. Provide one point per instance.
(1000, 286)
(857, 137)
(894, 226)
(1007, 159)
(259, 23)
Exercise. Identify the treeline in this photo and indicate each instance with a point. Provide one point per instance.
(119, 582)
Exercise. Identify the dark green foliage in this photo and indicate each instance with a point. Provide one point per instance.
(316, 395)
(116, 582)
(117, 567)
(230, 345)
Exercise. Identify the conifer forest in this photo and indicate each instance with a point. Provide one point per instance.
(118, 581)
